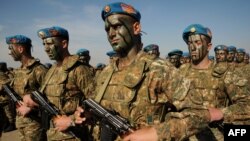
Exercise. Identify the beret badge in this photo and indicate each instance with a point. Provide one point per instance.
(192, 29)
(41, 34)
(107, 9)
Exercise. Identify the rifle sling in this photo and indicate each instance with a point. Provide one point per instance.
(46, 82)
(101, 92)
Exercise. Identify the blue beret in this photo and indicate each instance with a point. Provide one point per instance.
(186, 54)
(220, 47)
(175, 52)
(151, 47)
(241, 50)
(231, 49)
(100, 65)
(196, 29)
(111, 53)
(47, 65)
(211, 57)
(82, 51)
(18, 39)
(120, 8)
(54, 31)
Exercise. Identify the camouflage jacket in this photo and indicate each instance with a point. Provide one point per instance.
(138, 91)
(29, 78)
(3, 80)
(196, 91)
(65, 86)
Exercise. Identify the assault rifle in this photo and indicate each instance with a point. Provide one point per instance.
(48, 110)
(113, 121)
(13, 95)
(44, 103)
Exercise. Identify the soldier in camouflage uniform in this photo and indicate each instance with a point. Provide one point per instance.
(174, 57)
(84, 57)
(152, 50)
(222, 97)
(67, 82)
(112, 56)
(231, 50)
(27, 78)
(8, 107)
(135, 84)
(185, 58)
(246, 58)
(239, 57)
(98, 69)
(4, 100)
(220, 53)
(240, 65)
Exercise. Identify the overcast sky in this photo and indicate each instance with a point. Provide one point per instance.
(162, 20)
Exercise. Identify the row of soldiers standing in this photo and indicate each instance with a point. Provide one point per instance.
(230, 54)
(135, 84)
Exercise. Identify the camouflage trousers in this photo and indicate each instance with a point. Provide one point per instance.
(9, 110)
(1, 121)
(29, 129)
(54, 135)
(208, 134)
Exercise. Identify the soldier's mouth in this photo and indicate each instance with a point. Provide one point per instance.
(114, 41)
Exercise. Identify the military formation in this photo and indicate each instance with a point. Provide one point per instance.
(185, 96)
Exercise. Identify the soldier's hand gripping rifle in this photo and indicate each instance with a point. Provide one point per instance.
(113, 121)
(13, 95)
(47, 108)
(44, 104)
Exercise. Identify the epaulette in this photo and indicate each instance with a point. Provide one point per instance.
(70, 62)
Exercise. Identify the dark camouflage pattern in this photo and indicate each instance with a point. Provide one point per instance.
(198, 90)
(66, 86)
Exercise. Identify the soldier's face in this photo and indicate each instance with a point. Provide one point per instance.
(175, 60)
(184, 60)
(52, 48)
(15, 52)
(84, 59)
(120, 32)
(230, 56)
(221, 55)
(198, 47)
(246, 59)
(187, 59)
(240, 57)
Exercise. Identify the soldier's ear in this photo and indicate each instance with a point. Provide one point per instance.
(21, 48)
(209, 46)
(64, 43)
(137, 28)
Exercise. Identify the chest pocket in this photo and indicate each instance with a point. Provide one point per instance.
(204, 90)
(62, 91)
(55, 87)
(125, 84)
(23, 81)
